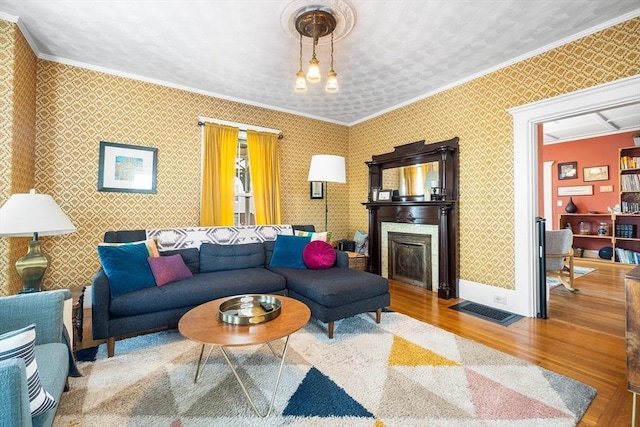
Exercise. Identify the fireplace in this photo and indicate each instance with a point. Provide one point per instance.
(416, 248)
(436, 209)
(409, 258)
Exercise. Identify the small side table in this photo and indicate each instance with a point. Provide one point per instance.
(358, 261)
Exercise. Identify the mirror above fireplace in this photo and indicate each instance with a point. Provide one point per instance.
(413, 180)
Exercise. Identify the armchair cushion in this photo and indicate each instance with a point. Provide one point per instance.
(21, 344)
(558, 243)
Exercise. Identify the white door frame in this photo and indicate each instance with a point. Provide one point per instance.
(547, 183)
(525, 162)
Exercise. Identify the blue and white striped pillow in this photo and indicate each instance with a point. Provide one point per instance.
(21, 343)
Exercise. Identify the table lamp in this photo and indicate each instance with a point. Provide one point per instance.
(327, 168)
(26, 215)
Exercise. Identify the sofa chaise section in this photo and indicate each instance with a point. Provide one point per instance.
(337, 293)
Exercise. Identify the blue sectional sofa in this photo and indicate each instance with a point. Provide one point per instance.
(222, 270)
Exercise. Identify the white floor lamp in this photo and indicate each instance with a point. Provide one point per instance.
(327, 168)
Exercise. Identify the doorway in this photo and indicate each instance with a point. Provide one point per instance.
(525, 123)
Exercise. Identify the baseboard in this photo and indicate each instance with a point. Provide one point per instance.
(493, 296)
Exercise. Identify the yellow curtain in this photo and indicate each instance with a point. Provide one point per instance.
(264, 164)
(218, 175)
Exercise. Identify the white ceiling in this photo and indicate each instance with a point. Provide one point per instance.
(596, 123)
(397, 52)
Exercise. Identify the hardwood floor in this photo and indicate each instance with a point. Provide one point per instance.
(583, 338)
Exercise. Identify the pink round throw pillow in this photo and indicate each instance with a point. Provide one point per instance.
(318, 255)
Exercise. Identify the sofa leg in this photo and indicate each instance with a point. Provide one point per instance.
(378, 315)
(330, 324)
(66, 385)
(111, 346)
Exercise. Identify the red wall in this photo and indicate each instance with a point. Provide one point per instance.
(588, 152)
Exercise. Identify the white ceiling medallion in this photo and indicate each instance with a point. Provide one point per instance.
(342, 10)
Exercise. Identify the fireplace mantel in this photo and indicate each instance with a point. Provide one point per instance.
(442, 213)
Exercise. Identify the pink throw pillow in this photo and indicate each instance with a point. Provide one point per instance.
(319, 255)
(167, 269)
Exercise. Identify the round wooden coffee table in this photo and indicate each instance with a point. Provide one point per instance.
(203, 325)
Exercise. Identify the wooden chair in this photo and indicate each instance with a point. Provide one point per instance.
(559, 256)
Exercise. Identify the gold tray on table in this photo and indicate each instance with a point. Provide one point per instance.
(250, 309)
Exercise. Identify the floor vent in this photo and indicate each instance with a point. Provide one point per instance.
(491, 314)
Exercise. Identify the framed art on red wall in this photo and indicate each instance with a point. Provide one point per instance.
(568, 170)
(595, 173)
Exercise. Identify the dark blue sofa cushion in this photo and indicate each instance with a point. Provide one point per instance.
(334, 287)
(126, 267)
(190, 256)
(197, 290)
(288, 251)
(215, 257)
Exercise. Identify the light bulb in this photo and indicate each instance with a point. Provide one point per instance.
(332, 82)
(301, 83)
(313, 74)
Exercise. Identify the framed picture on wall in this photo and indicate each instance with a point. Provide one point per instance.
(568, 170)
(596, 173)
(316, 190)
(127, 168)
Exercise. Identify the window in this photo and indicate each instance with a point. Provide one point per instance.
(244, 211)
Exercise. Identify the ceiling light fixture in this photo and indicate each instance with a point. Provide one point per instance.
(332, 76)
(301, 80)
(316, 22)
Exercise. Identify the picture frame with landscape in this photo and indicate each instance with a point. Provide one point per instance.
(127, 168)
(595, 173)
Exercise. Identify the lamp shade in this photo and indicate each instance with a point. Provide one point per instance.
(327, 168)
(25, 214)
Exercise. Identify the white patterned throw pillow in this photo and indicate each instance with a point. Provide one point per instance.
(21, 344)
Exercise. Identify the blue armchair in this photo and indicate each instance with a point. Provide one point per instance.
(45, 309)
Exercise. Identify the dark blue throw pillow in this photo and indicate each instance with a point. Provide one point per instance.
(287, 251)
(127, 268)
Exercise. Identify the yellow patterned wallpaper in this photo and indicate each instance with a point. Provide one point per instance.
(77, 108)
(17, 138)
(476, 112)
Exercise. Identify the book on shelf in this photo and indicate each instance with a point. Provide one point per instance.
(626, 231)
(630, 182)
(626, 256)
(629, 162)
(629, 207)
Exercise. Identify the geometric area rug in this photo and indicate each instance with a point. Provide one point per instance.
(401, 372)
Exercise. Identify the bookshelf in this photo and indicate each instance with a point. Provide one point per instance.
(630, 180)
(627, 243)
(592, 232)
